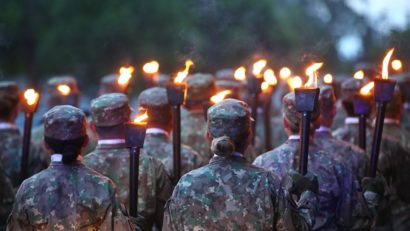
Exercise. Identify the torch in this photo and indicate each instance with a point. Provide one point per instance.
(306, 99)
(134, 136)
(176, 97)
(383, 93)
(362, 107)
(254, 87)
(29, 107)
(150, 70)
(270, 81)
(124, 78)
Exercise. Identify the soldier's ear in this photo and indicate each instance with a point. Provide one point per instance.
(92, 126)
(208, 136)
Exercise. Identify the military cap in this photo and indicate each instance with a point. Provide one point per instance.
(109, 84)
(230, 117)
(327, 100)
(155, 101)
(200, 87)
(369, 69)
(350, 87)
(394, 107)
(110, 109)
(225, 74)
(293, 117)
(56, 97)
(64, 122)
(162, 80)
(9, 95)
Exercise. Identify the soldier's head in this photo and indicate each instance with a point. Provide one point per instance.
(109, 84)
(349, 88)
(395, 106)
(292, 118)
(155, 102)
(403, 80)
(65, 131)
(63, 90)
(162, 80)
(229, 127)
(200, 87)
(109, 113)
(9, 101)
(327, 100)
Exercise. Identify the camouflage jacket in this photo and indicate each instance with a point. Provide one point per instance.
(231, 194)
(67, 197)
(159, 146)
(279, 135)
(350, 133)
(338, 120)
(112, 160)
(193, 131)
(395, 131)
(339, 194)
(6, 198)
(350, 155)
(10, 155)
(405, 118)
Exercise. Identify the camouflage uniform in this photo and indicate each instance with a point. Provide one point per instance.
(11, 141)
(111, 158)
(6, 198)
(341, 205)
(66, 196)
(231, 194)
(200, 87)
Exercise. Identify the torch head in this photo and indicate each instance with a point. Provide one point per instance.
(362, 104)
(254, 84)
(384, 90)
(135, 135)
(176, 94)
(306, 99)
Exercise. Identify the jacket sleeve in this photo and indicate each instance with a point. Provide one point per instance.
(164, 190)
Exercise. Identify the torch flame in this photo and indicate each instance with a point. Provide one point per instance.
(151, 67)
(240, 74)
(64, 89)
(365, 90)
(295, 82)
(269, 77)
(141, 119)
(285, 73)
(258, 67)
(386, 60)
(358, 74)
(220, 96)
(183, 74)
(264, 86)
(311, 71)
(125, 75)
(396, 64)
(31, 96)
(328, 78)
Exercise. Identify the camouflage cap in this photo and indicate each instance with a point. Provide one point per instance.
(230, 117)
(162, 80)
(394, 107)
(155, 101)
(327, 100)
(350, 87)
(109, 84)
(110, 109)
(293, 117)
(225, 74)
(200, 87)
(56, 97)
(9, 95)
(370, 70)
(64, 122)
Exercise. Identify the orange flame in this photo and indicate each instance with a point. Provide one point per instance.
(64, 89)
(311, 71)
(125, 75)
(183, 74)
(396, 64)
(240, 74)
(285, 73)
(295, 82)
(151, 67)
(265, 86)
(141, 119)
(220, 96)
(328, 78)
(269, 77)
(386, 60)
(366, 89)
(258, 67)
(359, 74)
(31, 96)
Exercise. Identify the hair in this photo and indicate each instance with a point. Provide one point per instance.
(159, 116)
(7, 104)
(117, 129)
(70, 149)
(223, 146)
(348, 107)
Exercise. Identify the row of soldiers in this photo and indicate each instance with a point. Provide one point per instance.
(220, 189)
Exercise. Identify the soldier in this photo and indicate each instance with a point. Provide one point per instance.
(157, 141)
(11, 140)
(350, 129)
(109, 114)
(338, 190)
(6, 198)
(350, 155)
(200, 87)
(109, 84)
(231, 194)
(67, 195)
